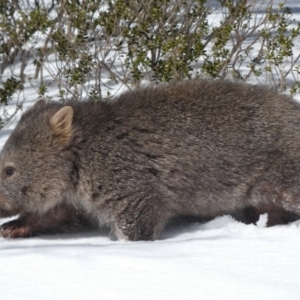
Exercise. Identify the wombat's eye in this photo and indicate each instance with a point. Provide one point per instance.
(9, 171)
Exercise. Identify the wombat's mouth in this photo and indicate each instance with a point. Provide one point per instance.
(7, 208)
(6, 213)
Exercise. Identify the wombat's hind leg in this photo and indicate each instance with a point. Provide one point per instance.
(280, 201)
(276, 215)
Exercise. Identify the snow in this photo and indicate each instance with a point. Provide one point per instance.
(220, 259)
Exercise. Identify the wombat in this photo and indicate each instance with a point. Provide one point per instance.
(198, 148)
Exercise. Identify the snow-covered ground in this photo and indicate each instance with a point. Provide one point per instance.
(221, 259)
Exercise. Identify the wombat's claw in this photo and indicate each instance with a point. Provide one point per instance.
(14, 230)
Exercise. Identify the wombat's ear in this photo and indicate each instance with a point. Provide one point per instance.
(61, 124)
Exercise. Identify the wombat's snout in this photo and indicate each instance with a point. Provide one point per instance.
(7, 208)
(6, 214)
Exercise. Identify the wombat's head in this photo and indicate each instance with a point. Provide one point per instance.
(36, 163)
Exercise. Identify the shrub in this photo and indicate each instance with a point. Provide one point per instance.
(87, 48)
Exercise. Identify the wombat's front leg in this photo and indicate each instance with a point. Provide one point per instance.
(141, 220)
(20, 227)
(61, 219)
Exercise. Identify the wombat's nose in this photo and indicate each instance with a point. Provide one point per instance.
(7, 208)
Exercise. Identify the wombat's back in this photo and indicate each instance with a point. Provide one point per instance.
(207, 147)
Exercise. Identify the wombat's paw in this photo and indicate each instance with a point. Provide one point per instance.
(14, 229)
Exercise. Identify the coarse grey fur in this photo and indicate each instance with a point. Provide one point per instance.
(199, 148)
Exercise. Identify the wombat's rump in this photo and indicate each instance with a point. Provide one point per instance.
(198, 148)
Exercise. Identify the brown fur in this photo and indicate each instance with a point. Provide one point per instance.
(197, 148)
(61, 219)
